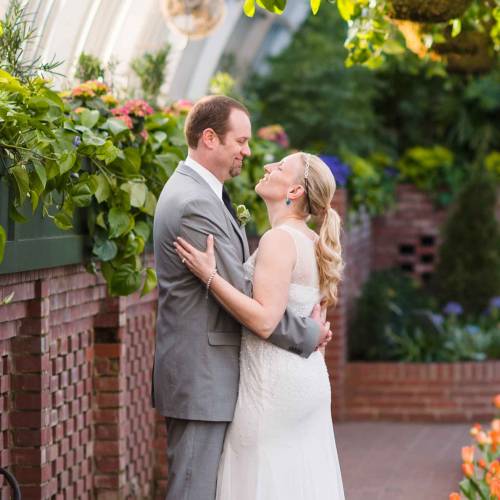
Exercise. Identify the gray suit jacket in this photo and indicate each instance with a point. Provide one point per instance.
(196, 366)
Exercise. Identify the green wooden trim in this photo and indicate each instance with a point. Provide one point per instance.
(40, 253)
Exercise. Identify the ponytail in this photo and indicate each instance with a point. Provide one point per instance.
(329, 256)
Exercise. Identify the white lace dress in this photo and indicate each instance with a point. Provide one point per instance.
(280, 444)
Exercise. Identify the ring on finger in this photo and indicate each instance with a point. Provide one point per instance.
(183, 260)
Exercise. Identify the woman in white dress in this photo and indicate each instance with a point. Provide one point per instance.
(280, 444)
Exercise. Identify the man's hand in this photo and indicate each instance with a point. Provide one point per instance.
(325, 335)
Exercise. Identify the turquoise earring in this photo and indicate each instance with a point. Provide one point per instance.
(288, 201)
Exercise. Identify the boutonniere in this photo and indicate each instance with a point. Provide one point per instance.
(243, 215)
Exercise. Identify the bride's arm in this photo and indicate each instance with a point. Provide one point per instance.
(273, 269)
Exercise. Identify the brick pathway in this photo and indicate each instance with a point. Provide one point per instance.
(400, 461)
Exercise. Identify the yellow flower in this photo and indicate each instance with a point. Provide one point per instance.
(110, 100)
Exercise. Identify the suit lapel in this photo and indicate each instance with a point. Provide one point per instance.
(240, 232)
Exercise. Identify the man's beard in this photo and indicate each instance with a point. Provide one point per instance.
(235, 170)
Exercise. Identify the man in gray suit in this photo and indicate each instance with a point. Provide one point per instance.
(196, 366)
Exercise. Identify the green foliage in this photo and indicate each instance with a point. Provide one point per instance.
(150, 68)
(16, 35)
(322, 105)
(79, 153)
(468, 270)
(373, 35)
(387, 300)
(89, 68)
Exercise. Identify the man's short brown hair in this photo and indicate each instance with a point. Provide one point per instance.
(210, 112)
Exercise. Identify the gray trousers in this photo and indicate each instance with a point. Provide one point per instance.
(194, 449)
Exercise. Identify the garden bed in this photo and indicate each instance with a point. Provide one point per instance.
(440, 392)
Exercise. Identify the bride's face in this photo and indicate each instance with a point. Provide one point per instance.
(279, 178)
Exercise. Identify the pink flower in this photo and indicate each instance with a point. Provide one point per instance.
(136, 107)
(274, 133)
(124, 118)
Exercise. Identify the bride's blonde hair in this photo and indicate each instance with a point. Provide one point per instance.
(319, 185)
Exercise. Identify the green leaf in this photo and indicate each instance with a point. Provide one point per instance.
(100, 220)
(134, 245)
(315, 6)
(142, 229)
(115, 126)
(249, 8)
(91, 139)
(456, 27)
(137, 192)
(8, 299)
(63, 220)
(393, 47)
(119, 222)
(107, 271)
(103, 189)
(107, 152)
(41, 173)
(133, 158)
(150, 204)
(346, 8)
(82, 192)
(105, 250)
(150, 281)
(124, 281)
(89, 118)
(21, 181)
(3, 241)
(66, 161)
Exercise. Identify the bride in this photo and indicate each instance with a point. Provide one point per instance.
(280, 444)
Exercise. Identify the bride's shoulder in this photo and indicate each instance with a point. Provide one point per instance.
(277, 243)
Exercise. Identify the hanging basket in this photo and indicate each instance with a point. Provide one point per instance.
(469, 52)
(193, 18)
(427, 11)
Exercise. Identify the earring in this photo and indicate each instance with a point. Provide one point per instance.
(288, 201)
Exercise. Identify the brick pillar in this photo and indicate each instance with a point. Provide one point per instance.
(336, 351)
(110, 398)
(32, 400)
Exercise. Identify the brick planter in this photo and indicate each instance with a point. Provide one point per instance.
(439, 392)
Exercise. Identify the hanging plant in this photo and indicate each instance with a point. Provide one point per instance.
(469, 52)
(427, 11)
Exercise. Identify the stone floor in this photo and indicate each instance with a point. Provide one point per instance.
(400, 461)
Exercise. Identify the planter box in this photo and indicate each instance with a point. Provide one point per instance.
(440, 392)
(38, 243)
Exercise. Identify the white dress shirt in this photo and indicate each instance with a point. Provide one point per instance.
(214, 183)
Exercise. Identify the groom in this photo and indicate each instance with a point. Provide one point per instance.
(196, 366)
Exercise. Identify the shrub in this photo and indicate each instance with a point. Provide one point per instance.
(468, 269)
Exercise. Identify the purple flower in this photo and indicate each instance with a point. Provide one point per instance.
(453, 308)
(437, 319)
(340, 171)
(77, 141)
(391, 171)
(494, 303)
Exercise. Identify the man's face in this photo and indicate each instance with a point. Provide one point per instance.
(234, 149)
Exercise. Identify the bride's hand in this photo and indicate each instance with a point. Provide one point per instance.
(201, 264)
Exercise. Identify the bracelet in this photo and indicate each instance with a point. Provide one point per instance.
(209, 282)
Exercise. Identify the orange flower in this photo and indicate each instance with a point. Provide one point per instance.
(495, 425)
(482, 463)
(468, 454)
(493, 471)
(496, 401)
(474, 430)
(468, 469)
(495, 487)
(454, 496)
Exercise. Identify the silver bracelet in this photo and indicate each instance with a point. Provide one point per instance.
(209, 282)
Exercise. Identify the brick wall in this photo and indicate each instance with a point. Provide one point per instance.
(407, 237)
(438, 392)
(75, 369)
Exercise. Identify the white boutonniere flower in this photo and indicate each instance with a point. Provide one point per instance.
(243, 215)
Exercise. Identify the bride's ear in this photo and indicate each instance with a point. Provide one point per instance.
(295, 192)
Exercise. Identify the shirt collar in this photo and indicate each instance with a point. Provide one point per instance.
(214, 183)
